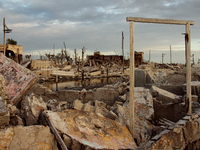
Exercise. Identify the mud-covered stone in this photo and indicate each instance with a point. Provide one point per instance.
(29, 137)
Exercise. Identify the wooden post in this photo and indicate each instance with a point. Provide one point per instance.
(4, 40)
(75, 57)
(163, 57)
(170, 55)
(83, 50)
(54, 49)
(188, 64)
(149, 56)
(123, 49)
(132, 77)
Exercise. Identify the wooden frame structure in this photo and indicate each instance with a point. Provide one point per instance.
(187, 23)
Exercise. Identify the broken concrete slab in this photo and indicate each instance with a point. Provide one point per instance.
(92, 130)
(163, 95)
(32, 107)
(3, 88)
(17, 78)
(29, 137)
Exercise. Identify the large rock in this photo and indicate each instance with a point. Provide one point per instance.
(92, 130)
(27, 138)
(32, 107)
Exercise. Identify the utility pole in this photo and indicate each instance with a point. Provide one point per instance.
(5, 30)
(123, 49)
(170, 55)
(163, 54)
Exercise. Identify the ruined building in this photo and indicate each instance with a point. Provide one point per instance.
(14, 52)
(101, 59)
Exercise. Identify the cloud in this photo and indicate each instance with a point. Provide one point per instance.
(97, 24)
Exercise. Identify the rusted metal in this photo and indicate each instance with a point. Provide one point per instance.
(92, 130)
(18, 79)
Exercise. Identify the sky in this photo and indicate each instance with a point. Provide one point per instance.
(98, 24)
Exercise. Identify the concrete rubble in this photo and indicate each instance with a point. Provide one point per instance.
(33, 116)
(27, 137)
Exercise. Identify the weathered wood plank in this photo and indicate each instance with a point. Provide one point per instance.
(188, 65)
(160, 21)
(132, 76)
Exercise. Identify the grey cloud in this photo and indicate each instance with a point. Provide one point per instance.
(97, 24)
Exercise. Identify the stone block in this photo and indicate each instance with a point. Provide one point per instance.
(111, 115)
(88, 107)
(101, 110)
(13, 110)
(99, 103)
(163, 95)
(67, 141)
(16, 120)
(77, 104)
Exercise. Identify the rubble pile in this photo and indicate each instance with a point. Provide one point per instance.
(34, 117)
